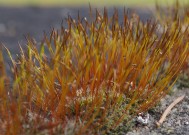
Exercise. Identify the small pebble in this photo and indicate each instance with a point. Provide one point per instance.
(186, 107)
(174, 110)
(146, 127)
(170, 131)
(186, 123)
(178, 123)
(168, 125)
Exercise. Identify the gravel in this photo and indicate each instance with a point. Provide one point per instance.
(177, 121)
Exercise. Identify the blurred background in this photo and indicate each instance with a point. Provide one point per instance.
(19, 18)
(84, 2)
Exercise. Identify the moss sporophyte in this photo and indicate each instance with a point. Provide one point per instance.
(92, 75)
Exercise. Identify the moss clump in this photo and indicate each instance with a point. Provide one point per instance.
(91, 76)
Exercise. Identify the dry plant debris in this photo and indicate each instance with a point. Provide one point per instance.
(167, 111)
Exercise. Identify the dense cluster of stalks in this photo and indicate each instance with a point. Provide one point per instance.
(172, 15)
(92, 75)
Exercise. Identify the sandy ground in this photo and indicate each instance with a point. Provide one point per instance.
(176, 122)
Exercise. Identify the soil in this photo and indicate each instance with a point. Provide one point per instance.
(176, 122)
(16, 23)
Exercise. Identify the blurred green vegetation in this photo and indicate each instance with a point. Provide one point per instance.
(86, 2)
